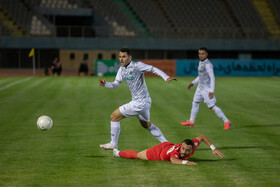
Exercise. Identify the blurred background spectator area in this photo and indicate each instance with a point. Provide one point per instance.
(146, 18)
(153, 29)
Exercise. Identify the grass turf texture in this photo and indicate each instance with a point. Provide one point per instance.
(69, 155)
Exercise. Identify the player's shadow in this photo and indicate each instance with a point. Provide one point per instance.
(97, 156)
(242, 147)
(250, 147)
(211, 160)
(259, 126)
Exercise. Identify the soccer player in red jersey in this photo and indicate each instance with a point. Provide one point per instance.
(167, 151)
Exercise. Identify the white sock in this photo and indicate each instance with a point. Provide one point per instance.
(157, 133)
(195, 108)
(115, 132)
(220, 113)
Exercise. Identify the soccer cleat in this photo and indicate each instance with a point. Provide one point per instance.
(187, 123)
(107, 146)
(227, 125)
(116, 153)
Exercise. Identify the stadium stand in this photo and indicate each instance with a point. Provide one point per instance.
(153, 29)
(170, 19)
(27, 21)
(199, 19)
(63, 4)
(275, 6)
(110, 12)
(4, 31)
(249, 19)
(153, 18)
(268, 17)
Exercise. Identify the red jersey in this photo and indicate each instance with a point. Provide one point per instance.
(166, 150)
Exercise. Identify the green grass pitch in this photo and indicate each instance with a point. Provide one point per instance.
(69, 155)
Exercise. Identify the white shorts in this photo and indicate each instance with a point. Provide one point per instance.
(140, 110)
(203, 95)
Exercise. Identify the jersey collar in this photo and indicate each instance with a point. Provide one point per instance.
(127, 65)
(204, 60)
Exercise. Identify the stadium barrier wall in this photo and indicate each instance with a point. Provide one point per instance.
(168, 66)
(106, 67)
(137, 43)
(110, 67)
(225, 67)
(71, 59)
(231, 67)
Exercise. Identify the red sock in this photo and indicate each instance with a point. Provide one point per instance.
(128, 154)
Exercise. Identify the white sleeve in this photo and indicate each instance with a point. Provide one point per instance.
(116, 83)
(148, 68)
(195, 81)
(210, 71)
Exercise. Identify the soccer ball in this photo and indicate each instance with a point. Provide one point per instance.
(44, 123)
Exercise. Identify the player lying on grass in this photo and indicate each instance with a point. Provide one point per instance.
(167, 151)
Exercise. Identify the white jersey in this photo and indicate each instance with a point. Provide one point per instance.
(133, 74)
(205, 78)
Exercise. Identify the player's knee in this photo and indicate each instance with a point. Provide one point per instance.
(194, 103)
(113, 117)
(145, 124)
(212, 108)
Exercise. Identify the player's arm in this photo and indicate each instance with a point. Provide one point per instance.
(210, 71)
(102, 82)
(106, 84)
(195, 81)
(114, 84)
(203, 138)
(179, 161)
(170, 79)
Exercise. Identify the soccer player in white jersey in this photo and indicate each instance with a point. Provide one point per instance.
(205, 90)
(133, 73)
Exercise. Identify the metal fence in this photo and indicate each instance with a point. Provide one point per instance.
(159, 33)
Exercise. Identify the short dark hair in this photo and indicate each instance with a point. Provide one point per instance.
(125, 50)
(204, 48)
(189, 142)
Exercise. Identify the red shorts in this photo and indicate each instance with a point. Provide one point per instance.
(154, 153)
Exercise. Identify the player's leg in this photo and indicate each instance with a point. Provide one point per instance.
(144, 119)
(116, 116)
(197, 98)
(154, 130)
(221, 115)
(124, 111)
(211, 103)
(130, 154)
(194, 111)
(142, 155)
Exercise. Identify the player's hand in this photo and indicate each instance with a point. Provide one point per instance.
(102, 82)
(211, 95)
(171, 79)
(217, 152)
(190, 85)
(191, 163)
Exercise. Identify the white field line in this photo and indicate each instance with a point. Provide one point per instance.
(14, 83)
